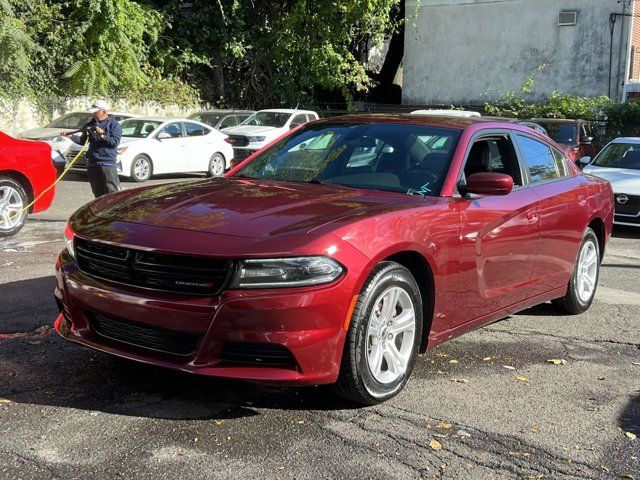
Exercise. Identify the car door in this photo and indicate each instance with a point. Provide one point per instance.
(172, 156)
(563, 212)
(499, 234)
(199, 149)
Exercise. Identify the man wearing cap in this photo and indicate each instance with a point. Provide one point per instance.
(103, 133)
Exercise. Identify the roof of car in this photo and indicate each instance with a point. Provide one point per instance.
(222, 112)
(428, 120)
(164, 119)
(555, 120)
(635, 140)
(287, 110)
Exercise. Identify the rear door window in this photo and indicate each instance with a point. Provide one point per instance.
(541, 164)
(195, 130)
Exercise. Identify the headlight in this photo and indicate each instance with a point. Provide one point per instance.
(256, 139)
(68, 240)
(286, 272)
(121, 150)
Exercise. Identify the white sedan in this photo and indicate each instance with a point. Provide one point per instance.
(619, 163)
(152, 145)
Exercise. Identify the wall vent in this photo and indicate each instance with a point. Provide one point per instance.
(567, 18)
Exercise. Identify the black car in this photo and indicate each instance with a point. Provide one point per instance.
(220, 119)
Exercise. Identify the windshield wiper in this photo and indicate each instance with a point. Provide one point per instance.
(318, 181)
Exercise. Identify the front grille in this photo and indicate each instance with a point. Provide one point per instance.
(238, 140)
(82, 159)
(144, 336)
(269, 354)
(624, 219)
(173, 273)
(631, 207)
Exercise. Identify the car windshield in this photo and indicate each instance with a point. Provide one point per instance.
(138, 128)
(71, 120)
(208, 118)
(411, 159)
(566, 133)
(267, 119)
(619, 155)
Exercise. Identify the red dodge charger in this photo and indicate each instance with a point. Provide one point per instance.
(337, 253)
(25, 172)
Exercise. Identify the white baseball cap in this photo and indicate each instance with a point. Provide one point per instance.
(99, 105)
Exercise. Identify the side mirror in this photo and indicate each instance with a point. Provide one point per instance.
(163, 136)
(587, 141)
(584, 161)
(489, 183)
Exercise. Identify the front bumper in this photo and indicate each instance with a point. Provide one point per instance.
(308, 323)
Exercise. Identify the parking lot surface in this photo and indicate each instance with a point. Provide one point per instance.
(536, 395)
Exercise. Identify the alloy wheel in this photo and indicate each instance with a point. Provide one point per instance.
(390, 335)
(11, 205)
(141, 168)
(587, 273)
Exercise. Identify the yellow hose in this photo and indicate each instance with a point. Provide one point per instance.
(64, 172)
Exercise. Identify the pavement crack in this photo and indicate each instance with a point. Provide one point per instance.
(560, 337)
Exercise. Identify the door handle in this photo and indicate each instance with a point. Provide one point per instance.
(582, 200)
(531, 215)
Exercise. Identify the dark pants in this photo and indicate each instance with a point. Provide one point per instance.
(103, 179)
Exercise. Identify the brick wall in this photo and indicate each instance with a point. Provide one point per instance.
(634, 68)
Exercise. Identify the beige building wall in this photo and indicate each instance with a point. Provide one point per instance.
(471, 51)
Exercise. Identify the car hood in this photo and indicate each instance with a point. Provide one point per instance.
(245, 208)
(38, 133)
(250, 130)
(622, 180)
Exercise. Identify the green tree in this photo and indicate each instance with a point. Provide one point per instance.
(16, 48)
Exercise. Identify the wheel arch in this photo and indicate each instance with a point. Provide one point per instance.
(597, 225)
(421, 270)
(23, 180)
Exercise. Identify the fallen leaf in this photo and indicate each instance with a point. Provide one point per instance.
(522, 379)
(509, 367)
(439, 435)
(453, 362)
(626, 475)
(440, 354)
(462, 433)
(444, 425)
(520, 454)
(602, 378)
(637, 364)
(534, 429)
(632, 436)
(461, 380)
(195, 440)
(486, 359)
(5, 400)
(604, 469)
(435, 445)
(300, 422)
(557, 361)
(217, 422)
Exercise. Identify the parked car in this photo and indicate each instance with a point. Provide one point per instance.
(447, 113)
(577, 137)
(152, 145)
(619, 164)
(299, 267)
(25, 172)
(220, 119)
(59, 144)
(262, 128)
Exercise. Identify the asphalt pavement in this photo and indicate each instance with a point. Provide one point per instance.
(537, 395)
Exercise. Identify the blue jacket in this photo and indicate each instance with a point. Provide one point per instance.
(102, 151)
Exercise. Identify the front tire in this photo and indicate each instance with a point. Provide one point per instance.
(217, 165)
(13, 200)
(584, 279)
(383, 338)
(141, 168)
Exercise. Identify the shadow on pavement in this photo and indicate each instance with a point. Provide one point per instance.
(38, 367)
(621, 231)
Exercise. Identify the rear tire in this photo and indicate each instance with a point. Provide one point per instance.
(584, 279)
(141, 168)
(13, 199)
(217, 165)
(383, 337)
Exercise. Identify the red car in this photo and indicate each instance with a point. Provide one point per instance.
(576, 137)
(337, 254)
(25, 172)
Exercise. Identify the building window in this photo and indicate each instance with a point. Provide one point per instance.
(567, 18)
